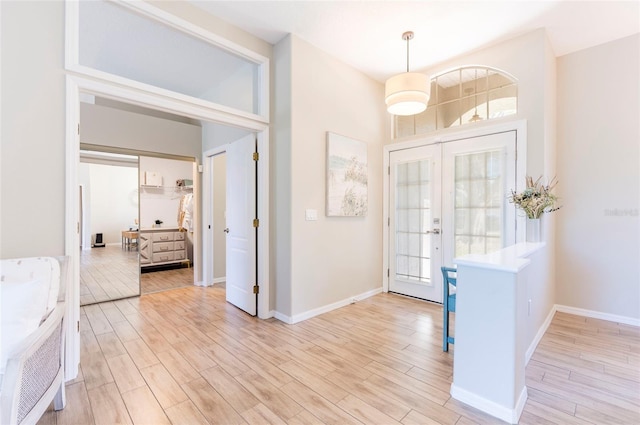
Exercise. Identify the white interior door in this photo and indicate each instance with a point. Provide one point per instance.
(241, 234)
(448, 200)
(415, 240)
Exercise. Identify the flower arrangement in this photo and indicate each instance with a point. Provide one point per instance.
(536, 199)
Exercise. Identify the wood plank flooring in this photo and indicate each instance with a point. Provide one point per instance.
(112, 273)
(187, 357)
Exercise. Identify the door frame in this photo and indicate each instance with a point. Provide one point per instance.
(208, 249)
(76, 84)
(519, 126)
(263, 214)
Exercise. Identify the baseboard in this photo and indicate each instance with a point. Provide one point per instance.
(206, 284)
(539, 335)
(494, 409)
(633, 321)
(325, 309)
(283, 317)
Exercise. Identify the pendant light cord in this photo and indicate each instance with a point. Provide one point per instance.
(407, 36)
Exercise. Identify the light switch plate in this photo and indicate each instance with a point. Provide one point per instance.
(311, 215)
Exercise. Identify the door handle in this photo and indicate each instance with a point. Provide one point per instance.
(226, 230)
(434, 231)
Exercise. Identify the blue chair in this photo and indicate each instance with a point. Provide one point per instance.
(448, 304)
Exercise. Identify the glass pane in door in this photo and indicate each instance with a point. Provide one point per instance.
(412, 221)
(478, 202)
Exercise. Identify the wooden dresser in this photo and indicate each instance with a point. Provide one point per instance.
(162, 246)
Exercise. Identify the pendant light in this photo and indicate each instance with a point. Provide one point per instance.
(407, 93)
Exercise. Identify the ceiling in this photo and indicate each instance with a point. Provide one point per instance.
(368, 34)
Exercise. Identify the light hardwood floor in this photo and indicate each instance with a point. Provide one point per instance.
(111, 273)
(187, 357)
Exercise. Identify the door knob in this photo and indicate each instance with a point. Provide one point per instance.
(226, 230)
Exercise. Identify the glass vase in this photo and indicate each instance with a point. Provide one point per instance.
(534, 230)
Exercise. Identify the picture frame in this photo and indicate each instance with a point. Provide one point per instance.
(347, 177)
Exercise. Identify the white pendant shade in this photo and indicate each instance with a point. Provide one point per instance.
(407, 93)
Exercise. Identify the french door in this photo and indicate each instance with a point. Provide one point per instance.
(414, 221)
(448, 200)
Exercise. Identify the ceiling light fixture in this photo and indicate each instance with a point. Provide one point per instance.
(407, 93)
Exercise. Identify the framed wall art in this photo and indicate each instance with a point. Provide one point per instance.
(347, 177)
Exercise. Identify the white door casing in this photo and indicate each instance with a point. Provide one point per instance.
(482, 205)
(241, 233)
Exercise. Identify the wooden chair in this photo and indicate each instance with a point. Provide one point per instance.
(448, 304)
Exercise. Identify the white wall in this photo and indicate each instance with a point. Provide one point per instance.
(162, 203)
(332, 259)
(281, 180)
(598, 229)
(107, 126)
(111, 199)
(32, 173)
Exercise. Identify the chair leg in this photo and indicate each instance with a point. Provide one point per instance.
(60, 400)
(445, 330)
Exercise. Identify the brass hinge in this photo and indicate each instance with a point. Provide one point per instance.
(78, 227)
(256, 156)
(387, 272)
(256, 222)
(78, 129)
(256, 289)
(78, 322)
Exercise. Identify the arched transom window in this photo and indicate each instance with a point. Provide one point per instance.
(462, 96)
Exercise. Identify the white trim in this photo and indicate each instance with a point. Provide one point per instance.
(167, 102)
(539, 335)
(510, 415)
(325, 309)
(207, 212)
(263, 229)
(222, 279)
(478, 130)
(72, 56)
(72, 237)
(632, 321)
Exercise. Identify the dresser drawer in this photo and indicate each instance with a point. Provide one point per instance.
(178, 245)
(162, 246)
(161, 257)
(179, 255)
(163, 237)
(178, 236)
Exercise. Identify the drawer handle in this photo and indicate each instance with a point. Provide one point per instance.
(164, 248)
(164, 238)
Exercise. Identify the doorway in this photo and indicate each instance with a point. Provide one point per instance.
(232, 238)
(446, 200)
